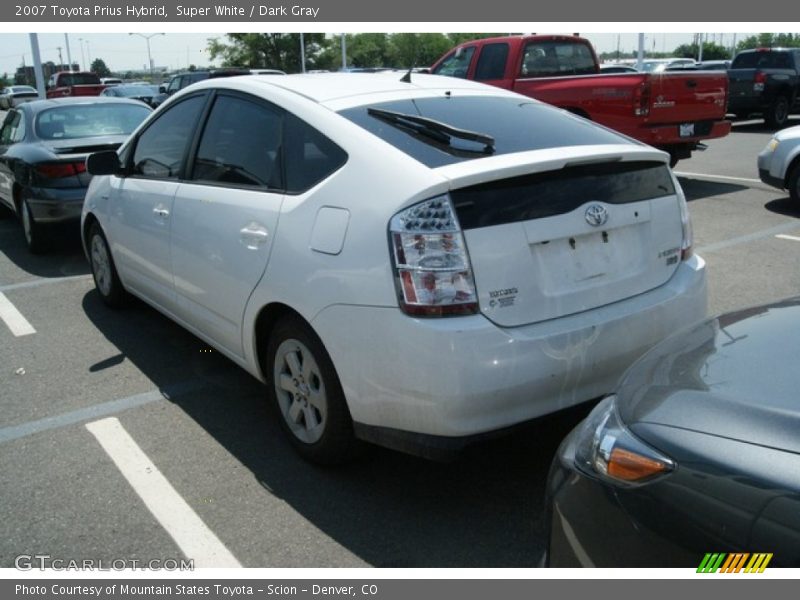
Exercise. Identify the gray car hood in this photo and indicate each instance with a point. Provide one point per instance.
(737, 376)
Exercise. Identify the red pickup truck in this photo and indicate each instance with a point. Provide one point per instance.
(68, 83)
(672, 111)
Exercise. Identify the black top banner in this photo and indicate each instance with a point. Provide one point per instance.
(328, 11)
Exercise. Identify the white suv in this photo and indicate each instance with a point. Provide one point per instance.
(412, 263)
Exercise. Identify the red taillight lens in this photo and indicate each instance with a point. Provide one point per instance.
(641, 99)
(759, 81)
(434, 275)
(59, 170)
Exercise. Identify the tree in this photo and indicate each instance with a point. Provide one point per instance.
(711, 51)
(99, 68)
(267, 50)
(367, 50)
(770, 40)
(417, 49)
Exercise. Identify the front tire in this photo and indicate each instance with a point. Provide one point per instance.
(778, 113)
(104, 271)
(306, 391)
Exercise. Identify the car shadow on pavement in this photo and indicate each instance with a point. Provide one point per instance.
(387, 508)
(783, 206)
(65, 257)
(697, 189)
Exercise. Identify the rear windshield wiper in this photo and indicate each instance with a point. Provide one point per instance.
(436, 130)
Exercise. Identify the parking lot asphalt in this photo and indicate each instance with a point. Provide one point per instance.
(71, 491)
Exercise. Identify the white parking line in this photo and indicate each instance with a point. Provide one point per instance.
(711, 176)
(17, 323)
(191, 535)
(793, 238)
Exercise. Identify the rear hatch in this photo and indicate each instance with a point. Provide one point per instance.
(569, 237)
(698, 97)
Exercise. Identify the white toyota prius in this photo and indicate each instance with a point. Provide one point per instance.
(412, 261)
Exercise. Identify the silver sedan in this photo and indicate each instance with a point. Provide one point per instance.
(779, 162)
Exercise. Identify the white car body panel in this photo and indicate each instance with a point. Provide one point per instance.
(440, 376)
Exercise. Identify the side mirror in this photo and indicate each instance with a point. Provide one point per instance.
(162, 89)
(104, 163)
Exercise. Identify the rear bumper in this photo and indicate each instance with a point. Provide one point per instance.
(744, 105)
(50, 206)
(669, 135)
(465, 376)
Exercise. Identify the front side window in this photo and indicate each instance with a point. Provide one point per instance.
(240, 145)
(491, 62)
(174, 85)
(161, 147)
(457, 63)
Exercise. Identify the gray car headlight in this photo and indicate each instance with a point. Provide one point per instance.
(606, 449)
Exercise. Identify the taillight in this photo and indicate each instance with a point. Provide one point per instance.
(641, 99)
(759, 81)
(433, 272)
(59, 170)
(687, 250)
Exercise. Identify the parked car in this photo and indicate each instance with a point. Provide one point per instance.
(671, 111)
(765, 81)
(182, 80)
(698, 451)
(267, 72)
(14, 95)
(779, 162)
(617, 68)
(110, 81)
(659, 65)
(43, 148)
(714, 65)
(69, 83)
(143, 93)
(415, 265)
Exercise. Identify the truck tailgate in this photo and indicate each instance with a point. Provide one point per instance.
(688, 98)
(741, 82)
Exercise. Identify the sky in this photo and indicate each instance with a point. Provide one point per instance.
(122, 51)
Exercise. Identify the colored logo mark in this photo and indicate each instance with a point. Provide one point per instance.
(734, 563)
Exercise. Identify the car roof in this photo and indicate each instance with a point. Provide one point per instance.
(40, 105)
(327, 87)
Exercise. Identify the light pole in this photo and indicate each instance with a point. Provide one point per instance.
(88, 56)
(149, 58)
(83, 58)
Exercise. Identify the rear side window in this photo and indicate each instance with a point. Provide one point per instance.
(515, 124)
(310, 156)
(240, 145)
(492, 62)
(457, 63)
(553, 58)
(161, 147)
(762, 60)
(78, 79)
(13, 129)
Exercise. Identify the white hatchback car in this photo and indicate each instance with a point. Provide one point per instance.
(412, 263)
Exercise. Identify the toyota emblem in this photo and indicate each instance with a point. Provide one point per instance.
(596, 215)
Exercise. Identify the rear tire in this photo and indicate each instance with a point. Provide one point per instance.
(104, 271)
(794, 184)
(778, 113)
(33, 231)
(305, 389)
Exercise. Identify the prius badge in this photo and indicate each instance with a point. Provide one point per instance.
(596, 215)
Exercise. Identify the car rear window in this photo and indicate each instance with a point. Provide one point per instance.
(78, 79)
(82, 121)
(762, 60)
(516, 124)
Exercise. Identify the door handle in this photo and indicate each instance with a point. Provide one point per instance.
(254, 235)
(160, 211)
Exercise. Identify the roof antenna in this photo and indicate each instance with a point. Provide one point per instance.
(407, 77)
